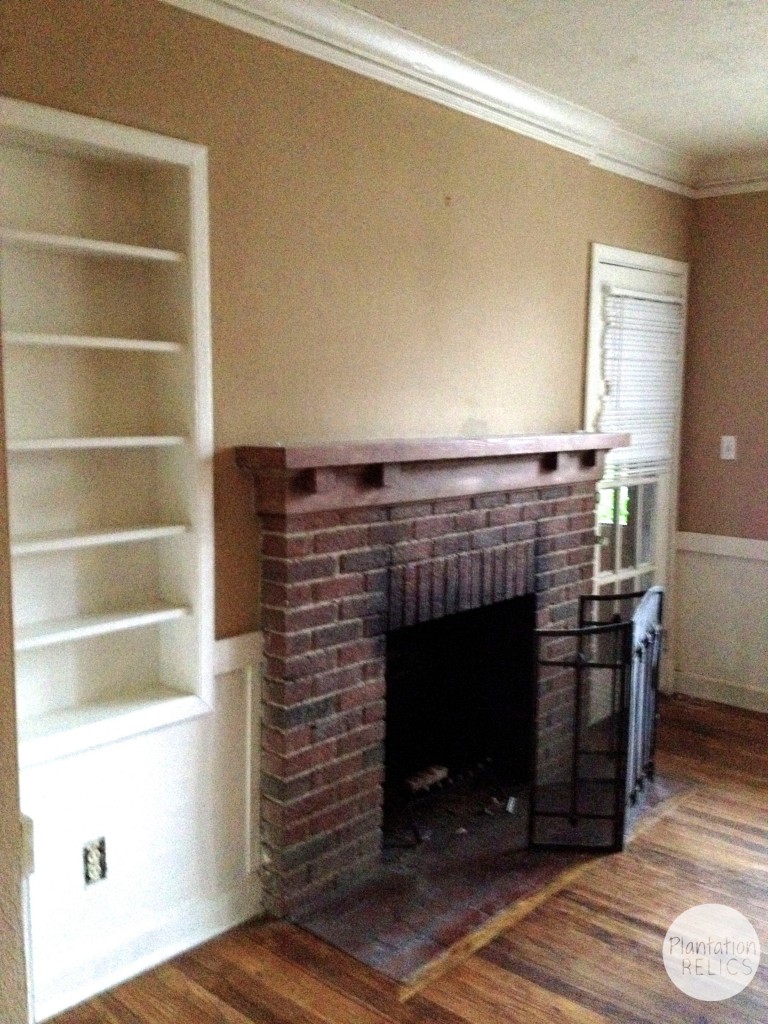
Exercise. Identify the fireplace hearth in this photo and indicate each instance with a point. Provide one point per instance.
(361, 543)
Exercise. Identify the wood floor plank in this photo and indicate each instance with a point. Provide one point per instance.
(482, 993)
(247, 990)
(308, 992)
(615, 970)
(305, 951)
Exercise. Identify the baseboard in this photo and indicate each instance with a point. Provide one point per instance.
(181, 930)
(721, 691)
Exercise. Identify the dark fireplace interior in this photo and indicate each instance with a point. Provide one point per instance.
(460, 703)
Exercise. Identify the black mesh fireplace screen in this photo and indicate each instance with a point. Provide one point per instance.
(595, 720)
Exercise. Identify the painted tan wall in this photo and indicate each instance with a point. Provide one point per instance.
(381, 266)
(13, 1006)
(726, 387)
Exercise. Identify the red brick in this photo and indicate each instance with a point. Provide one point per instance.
(283, 545)
(488, 538)
(283, 595)
(307, 522)
(434, 526)
(279, 667)
(522, 497)
(552, 491)
(374, 712)
(375, 625)
(569, 506)
(411, 551)
(489, 501)
(553, 527)
(352, 857)
(287, 692)
(556, 560)
(285, 718)
(308, 806)
(291, 835)
(474, 520)
(342, 768)
(291, 620)
(338, 725)
(506, 515)
(414, 510)
(317, 567)
(333, 816)
(363, 783)
(582, 521)
(286, 645)
(272, 812)
(374, 670)
(274, 570)
(353, 516)
(451, 544)
(361, 561)
(362, 604)
(376, 580)
(360, 739)
(391, 533)
(358, 696)
(288, 742)
(360, 650)
(339, 586)
(444, 506)
(339, 633)
(519, 532)
(339, 679)
(363, 825)
(309, 759)
(344, 539)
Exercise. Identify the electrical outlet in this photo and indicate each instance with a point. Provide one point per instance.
(95, 861)
(727, 446)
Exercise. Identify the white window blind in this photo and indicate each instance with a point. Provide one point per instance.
(641, 362)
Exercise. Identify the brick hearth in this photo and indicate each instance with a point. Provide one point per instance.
(360, 539)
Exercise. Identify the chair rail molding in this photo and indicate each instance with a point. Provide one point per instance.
(357, 41)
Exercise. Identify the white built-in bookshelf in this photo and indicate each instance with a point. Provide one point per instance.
(104, 297)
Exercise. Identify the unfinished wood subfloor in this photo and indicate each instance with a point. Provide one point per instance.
(590, 955)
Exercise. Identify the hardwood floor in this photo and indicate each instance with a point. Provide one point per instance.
(590, 955)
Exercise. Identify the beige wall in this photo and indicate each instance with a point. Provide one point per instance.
(726, 389)
(381, 266)
(12, 971)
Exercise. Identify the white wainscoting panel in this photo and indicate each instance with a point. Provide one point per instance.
(721, 648)
(178, 808)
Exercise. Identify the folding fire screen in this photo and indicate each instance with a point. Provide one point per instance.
(595, 744)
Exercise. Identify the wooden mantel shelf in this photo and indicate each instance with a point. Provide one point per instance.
(307, 478)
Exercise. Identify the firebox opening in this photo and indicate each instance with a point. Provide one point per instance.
(460, 697)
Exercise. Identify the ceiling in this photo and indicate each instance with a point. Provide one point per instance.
(672, 92)
(691, 75)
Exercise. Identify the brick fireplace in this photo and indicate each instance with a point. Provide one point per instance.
(361, 539)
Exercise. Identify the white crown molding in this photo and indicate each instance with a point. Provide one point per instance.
(331, 31)
(731, 175)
